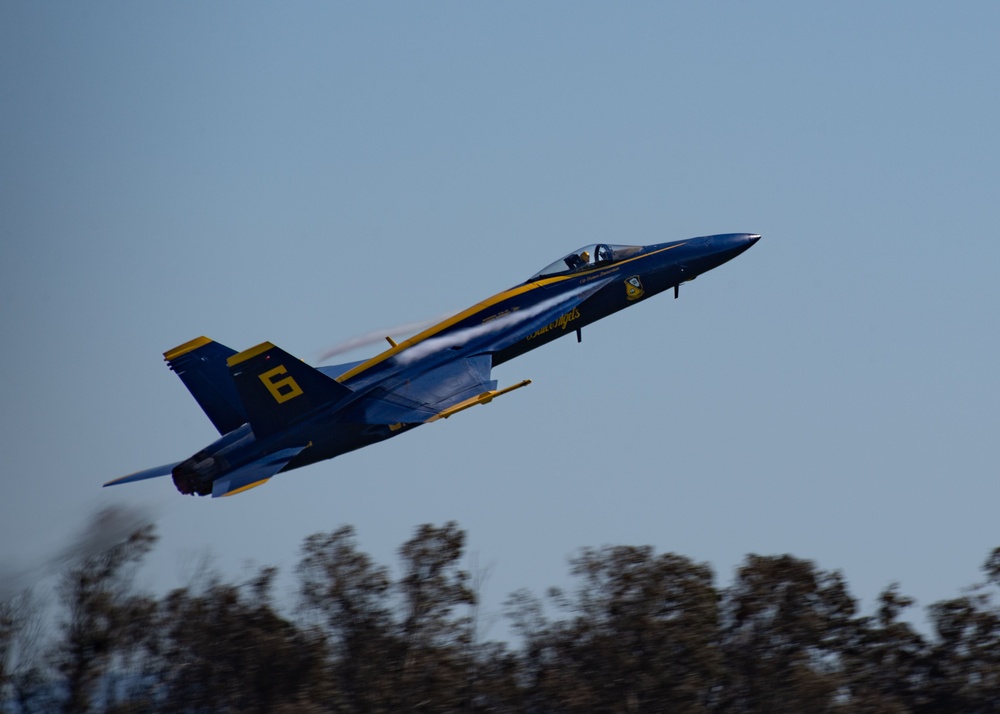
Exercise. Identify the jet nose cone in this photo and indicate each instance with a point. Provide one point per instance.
(725, 247)
(736, 243)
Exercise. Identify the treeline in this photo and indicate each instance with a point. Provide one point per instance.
(640, 632)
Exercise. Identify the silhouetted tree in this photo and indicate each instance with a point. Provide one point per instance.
(394, 646)
(431, 675)
(964, 662)
(24, 684)
(642, 636)
(785, 626)
(349, 596)
(227, 650)
(100, 611)
(638, 632)
(884, 661)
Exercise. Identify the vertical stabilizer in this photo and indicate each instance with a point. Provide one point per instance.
(201, 365)
(276, 389)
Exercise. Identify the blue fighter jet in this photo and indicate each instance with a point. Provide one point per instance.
(275, 413)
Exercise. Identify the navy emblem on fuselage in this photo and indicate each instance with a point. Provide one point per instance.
(633, 288)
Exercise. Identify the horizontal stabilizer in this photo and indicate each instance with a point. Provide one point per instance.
(254, 474)
(143, 475)
(277, 388)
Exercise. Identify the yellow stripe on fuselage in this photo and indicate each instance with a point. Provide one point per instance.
(480, 307)
(451, 321)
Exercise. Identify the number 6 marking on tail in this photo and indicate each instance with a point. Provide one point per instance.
(281, 389)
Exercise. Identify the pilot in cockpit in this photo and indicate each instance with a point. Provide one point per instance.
(576, 262)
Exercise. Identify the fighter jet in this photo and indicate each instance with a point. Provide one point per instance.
(275, 413)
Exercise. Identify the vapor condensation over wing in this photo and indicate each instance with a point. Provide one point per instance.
(378, 336)
(454, 339)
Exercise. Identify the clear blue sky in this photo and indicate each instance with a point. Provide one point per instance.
(306, 173)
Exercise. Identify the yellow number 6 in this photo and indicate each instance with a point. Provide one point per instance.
(281, 389)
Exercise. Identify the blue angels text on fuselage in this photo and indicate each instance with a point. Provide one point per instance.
(275, 413)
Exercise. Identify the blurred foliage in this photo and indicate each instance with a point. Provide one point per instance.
(640, 632)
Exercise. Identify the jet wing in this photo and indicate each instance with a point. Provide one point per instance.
(416, 399)
(255, 473)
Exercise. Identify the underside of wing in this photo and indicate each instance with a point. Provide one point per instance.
(419, 398)
(409, 397)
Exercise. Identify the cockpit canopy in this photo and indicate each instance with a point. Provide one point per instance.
(590, 256)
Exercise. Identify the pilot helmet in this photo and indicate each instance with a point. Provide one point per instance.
(586, 256)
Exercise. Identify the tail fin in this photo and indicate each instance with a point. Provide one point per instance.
(276, 388)
(201, 365)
